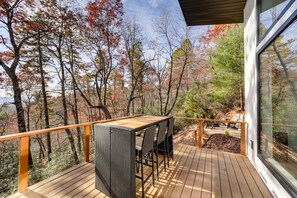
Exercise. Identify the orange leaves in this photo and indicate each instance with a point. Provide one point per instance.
(6, 56)
(118, 75)
(213, 32)
(30, 25)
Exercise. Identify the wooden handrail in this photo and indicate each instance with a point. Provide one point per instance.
(200, 129)
(210, 120)
(43, 131)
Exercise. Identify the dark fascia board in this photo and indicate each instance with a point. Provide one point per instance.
(209, 12)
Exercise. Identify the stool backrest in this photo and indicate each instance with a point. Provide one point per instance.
(170, 127)
(148, 139)
(161, 132)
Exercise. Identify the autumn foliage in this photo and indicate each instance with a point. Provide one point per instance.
(63, 63)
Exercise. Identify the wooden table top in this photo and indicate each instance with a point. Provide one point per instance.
(139, 122)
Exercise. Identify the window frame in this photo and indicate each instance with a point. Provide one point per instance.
(260, 38)
(283, 27)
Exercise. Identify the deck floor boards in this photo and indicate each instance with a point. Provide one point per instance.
(194, 172)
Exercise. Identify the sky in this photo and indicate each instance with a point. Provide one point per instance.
(146, 13)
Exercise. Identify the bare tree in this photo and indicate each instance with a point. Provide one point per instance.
(137, 63)
(176, 52)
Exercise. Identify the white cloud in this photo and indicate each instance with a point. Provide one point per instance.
(155, 3)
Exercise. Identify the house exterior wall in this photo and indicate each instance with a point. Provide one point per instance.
(252, 47)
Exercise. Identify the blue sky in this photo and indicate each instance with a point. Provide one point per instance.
(147, 12)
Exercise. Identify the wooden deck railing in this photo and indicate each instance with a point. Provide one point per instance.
(24, 146)
(24, 142)
(198, 134)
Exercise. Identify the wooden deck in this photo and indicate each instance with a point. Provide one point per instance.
(194, 173)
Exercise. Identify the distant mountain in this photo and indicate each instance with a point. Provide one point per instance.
(5, 99)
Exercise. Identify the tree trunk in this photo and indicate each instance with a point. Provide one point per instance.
(283, 64)
(75, 108)
(142, 104)
(20, 110)
(45, 103)
(105, 111)
(28, 115)
(177, 88)
(76, 119)
(169, 85)
(241, 99)
(133, 107)
(65, 112)
(160, 100)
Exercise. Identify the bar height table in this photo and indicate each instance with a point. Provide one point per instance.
(115, 154)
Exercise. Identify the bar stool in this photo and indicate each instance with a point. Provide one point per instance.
(159, 139)
(169, 135)
(144, 147)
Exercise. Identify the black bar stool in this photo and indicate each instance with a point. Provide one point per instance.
(160, 140)
(169, 134)
(144, 152)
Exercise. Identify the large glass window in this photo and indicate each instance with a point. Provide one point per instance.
(269, 12)
(278, 105)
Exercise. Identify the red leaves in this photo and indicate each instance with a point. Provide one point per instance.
(4, 4)
(102, 15)
(213, 32)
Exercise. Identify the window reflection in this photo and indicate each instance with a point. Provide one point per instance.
(269, 11)
(278, 104)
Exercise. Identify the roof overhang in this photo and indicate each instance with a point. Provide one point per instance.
(209, 12)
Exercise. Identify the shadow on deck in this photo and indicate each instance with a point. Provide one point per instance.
(194, 172)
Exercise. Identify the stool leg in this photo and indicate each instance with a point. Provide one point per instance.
(142, 175)
(164, 147)
(167, 150)
(153, 169)
(157, 156)
(171, 152)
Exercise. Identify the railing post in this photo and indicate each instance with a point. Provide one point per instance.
(195, 136)
(87, 143)
(23, 164)
(242, 139)
(200, 137)
(202, 125)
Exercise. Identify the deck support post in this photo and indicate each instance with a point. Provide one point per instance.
(242, 139)
(200, 137)
(87, 143)
(23, 164)
(195, 135)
